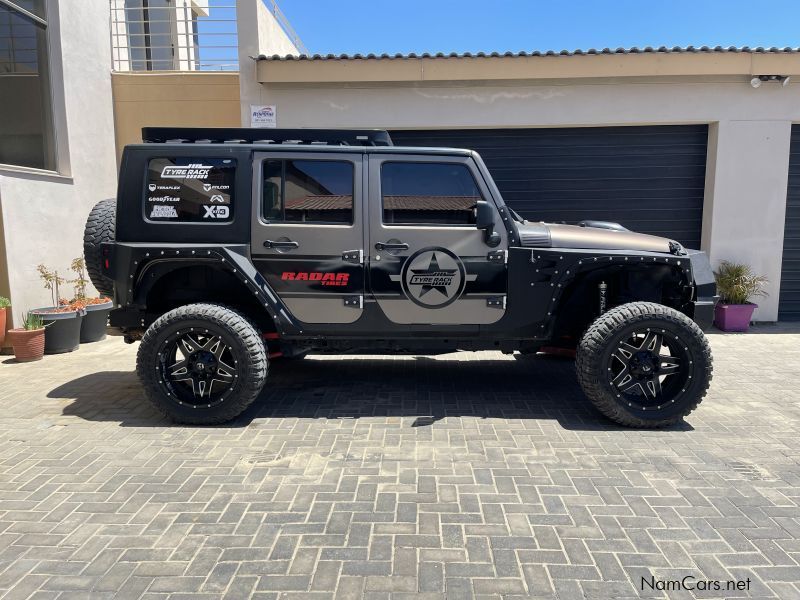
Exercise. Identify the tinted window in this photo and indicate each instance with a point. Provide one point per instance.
(428, 193)
(308, 191)
(26, 126)
(190, 190)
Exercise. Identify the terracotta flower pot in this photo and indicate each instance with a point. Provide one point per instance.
(3, 324)
(733, 317)
(28, 343)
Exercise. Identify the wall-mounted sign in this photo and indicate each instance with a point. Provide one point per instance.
(263, 115)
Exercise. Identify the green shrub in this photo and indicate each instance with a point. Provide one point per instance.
(32, 321)
(737, 284)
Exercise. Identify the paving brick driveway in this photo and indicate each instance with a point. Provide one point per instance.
(462, 475)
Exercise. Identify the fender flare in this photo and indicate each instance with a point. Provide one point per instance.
(149, 264)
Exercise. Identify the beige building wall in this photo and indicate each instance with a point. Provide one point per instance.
(185, 99)
(259, 33)
(44, 212)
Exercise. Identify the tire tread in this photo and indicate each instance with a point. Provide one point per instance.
(99, 228)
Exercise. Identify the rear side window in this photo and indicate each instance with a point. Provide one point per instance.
(190, 190)
(428, 194)
(307, 191)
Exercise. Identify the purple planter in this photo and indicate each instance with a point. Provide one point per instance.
(733, 317)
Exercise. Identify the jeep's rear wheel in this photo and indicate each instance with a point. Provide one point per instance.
(202, 364)
(99, 228)
(644, 364)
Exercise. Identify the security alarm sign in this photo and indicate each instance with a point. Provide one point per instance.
(263, 115)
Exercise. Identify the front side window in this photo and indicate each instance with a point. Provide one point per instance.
(417, 193)
(307, 191)
(190, 190)
(26, 124)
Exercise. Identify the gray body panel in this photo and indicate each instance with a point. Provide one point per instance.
(466, 242)
(317, 243)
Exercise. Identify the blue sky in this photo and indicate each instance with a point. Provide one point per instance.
(350, 26)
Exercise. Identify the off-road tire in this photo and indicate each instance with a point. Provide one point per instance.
(245, 344)
(599, 342)
(99, 228)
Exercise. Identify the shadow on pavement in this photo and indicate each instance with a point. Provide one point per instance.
(429, 390)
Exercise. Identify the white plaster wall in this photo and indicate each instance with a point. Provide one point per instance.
(746, 212)
(532, 105)
(259, 33)
(44, 214)
(748, 163)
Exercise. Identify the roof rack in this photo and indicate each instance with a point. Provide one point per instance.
(245, 135)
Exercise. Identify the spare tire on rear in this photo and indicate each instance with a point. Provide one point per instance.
(99, 228)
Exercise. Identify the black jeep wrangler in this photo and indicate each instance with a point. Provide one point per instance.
(226, 248)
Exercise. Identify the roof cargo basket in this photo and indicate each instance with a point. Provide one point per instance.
(245, 135)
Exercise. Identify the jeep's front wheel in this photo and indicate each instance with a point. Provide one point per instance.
(644, 364)
(202, 364)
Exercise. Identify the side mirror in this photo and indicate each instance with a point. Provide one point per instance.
(484, 219)
(484, 215)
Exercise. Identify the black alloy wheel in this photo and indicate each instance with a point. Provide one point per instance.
(644, 364)
(198, 367)
(650, 368)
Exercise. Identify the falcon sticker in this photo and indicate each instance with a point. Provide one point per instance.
(433, 277)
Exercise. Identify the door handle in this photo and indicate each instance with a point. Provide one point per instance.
(390, 246)
(281, 244)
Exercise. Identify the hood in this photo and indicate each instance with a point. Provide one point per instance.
(571, 236)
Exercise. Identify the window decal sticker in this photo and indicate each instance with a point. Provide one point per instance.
(190, 190)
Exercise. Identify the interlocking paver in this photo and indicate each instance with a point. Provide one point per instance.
(457, 476)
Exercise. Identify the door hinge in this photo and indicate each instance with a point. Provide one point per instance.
(353, 256)
(354, 301)
(496, 302)
(497, 256)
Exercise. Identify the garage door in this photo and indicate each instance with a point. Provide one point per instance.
(789, 300)
(650, 179)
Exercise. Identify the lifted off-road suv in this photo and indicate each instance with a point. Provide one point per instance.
(228, 247)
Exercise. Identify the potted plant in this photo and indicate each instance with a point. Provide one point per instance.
(28, 340)
(736, 284)
(97, 309)
(5, 304)
(62, 320)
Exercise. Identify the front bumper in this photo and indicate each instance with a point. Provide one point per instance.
(704, 312)
(705, 289)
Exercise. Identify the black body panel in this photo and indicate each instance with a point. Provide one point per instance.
(132, 196)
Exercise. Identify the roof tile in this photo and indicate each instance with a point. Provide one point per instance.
(578, 52)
